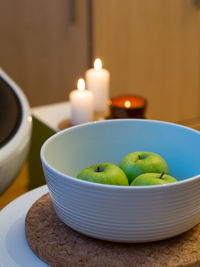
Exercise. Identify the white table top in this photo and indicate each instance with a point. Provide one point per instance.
(52, 114)
(14, 249)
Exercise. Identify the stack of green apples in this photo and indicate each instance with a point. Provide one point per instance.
(135, 169)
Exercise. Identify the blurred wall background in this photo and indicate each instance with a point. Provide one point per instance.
(152, 48)
(44, 46)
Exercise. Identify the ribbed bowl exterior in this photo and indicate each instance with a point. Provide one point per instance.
(115, 214)
(124, 213)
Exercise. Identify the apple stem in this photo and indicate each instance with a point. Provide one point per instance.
(161, 175)
(139, 157)
(98, 168)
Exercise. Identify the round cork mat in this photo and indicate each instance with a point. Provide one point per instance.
(58, 245)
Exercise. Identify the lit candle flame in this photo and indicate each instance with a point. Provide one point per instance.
(97, 64)
(81, 84)
(127, 104)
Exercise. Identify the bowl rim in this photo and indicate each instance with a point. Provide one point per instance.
(107, 186)
(25, 125)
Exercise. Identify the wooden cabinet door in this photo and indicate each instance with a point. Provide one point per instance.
(44, 46)
(152, 49)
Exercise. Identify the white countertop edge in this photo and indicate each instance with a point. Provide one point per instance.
(52, 114)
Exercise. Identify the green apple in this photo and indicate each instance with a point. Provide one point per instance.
(136, 163)
(104, 173)
(153, 179)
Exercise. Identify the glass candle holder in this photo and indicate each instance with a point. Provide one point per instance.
(127, 106)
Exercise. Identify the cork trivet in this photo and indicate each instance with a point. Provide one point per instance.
(58, 245)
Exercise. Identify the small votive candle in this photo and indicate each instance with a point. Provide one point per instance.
(127, 106)
(82, 104)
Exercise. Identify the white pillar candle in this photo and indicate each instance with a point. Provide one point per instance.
(82, 104)
(97, 81)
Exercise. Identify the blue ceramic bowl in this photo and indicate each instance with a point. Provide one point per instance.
(123, 213)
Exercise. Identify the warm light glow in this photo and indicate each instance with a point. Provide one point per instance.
(81, 84)
(127, 104)
(97, 64)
